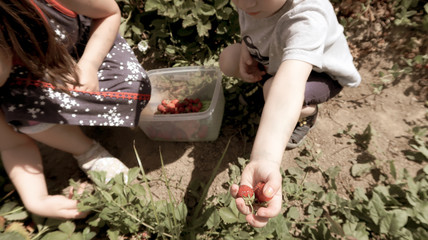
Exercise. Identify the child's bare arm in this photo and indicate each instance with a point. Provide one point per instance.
(280, 114)
(105, 15)
(22, 161)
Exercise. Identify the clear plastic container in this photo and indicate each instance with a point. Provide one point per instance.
(180, 83)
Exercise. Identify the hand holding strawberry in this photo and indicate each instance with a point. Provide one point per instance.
(269, 191)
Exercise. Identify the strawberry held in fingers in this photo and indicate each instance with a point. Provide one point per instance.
(258, 190)
(247, 193)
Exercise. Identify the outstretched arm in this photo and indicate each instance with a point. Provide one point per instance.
(23, 163)
(105, 15)
(284, 100)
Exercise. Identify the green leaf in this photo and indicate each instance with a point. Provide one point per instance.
(422, 212)
(113, 234)
(214, 220)
(21, 215)
(57, 235)
(376, 208)
(228, 216)
(361, 169)
(203, 28)
(293, 213)
(188, 21)
(7, 207)
(393, 221)
(152, 5)
(11, 236)
(356, 230)
(67, 227)
(204, 9)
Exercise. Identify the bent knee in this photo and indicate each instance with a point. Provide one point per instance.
(229, 60)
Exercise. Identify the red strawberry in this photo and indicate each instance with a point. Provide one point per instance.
(165, 102)
(161, 108)
(170, 105)
(245, 191)
(195, 109)
(174, 101)
(258, 190)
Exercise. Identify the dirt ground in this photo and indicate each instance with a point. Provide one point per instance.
(391, 114)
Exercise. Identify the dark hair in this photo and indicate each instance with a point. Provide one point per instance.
(28, 35)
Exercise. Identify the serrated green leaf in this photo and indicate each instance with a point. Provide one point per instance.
(293, 213)
(214, 220)
(203, 28)
(152, 5)
(188, 21)
(393, 221)
(422, 212)
(87, 234)
(67, 227)
(228, 216)
(376, 208)
(356, 230)
(204, 9)
(113, 234)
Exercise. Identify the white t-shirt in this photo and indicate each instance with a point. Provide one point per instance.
(305, 30)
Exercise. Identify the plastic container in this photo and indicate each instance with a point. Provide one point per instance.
(180, 83)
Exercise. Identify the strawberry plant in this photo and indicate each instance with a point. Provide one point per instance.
(186, 30)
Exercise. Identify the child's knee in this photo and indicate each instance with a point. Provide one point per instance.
(229, 59)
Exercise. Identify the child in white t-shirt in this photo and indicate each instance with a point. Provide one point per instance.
(297, 50)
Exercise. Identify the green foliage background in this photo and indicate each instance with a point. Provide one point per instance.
(190, 32)
(180, 30)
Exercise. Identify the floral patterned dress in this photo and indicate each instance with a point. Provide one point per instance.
(124, 85)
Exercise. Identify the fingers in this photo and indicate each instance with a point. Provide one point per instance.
(256, 221)
(273, 208)
(68, 210)
(242, 207)
(81, 189)
(234, 190)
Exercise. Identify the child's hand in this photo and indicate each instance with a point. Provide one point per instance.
(261, 171)
(248, 67)
(55, 206)
(88, 78)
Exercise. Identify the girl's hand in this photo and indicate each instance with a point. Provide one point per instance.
(88, 78)
(248, 67)
(55, 206)
(261, 171)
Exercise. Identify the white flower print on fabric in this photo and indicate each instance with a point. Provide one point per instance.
(112, 118)
(65, 100)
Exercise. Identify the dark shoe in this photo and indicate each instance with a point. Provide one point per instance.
(301, 130)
